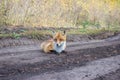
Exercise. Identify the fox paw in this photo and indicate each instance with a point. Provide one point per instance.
(65, 52)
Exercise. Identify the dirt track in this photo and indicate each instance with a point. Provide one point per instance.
(18, 63)
(115, 75)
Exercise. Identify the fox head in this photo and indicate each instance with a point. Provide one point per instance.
(59, 38)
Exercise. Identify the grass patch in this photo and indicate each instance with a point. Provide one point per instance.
(92, 31)
(11, 35)
(38, 34)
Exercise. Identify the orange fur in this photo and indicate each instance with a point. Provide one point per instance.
(47, 46)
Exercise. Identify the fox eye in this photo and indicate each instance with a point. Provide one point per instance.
(55, 39)
(61, 39)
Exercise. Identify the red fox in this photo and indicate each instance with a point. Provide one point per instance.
(57, 43)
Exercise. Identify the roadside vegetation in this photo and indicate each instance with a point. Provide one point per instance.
(89, 16)
(38, 34)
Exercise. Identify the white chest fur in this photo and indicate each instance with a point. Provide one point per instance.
(60, 48)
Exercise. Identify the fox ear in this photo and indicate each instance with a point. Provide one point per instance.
(64, 32)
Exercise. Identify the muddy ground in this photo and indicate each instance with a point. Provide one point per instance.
(66, 61)
(59, 63)
(111, 76)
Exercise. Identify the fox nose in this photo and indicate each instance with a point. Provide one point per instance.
(58, 44)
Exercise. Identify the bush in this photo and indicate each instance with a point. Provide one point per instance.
(60, 13)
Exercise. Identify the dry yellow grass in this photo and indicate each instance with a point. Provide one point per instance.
(60, 13)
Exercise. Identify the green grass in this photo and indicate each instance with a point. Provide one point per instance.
(11, 35)
(93, 31)
(38, 34)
